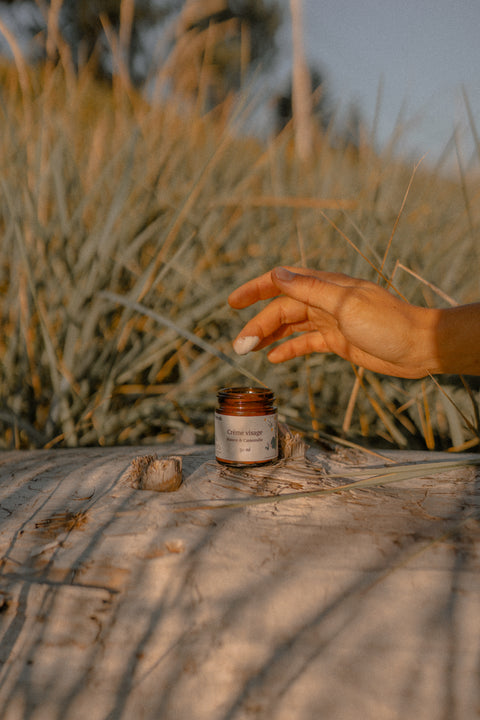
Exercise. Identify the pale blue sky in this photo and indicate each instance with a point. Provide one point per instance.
(422, 51)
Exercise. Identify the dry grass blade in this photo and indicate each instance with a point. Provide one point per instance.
(369, 478)
(397, 219)
(438, 291)
(467, 422)
(471, 120)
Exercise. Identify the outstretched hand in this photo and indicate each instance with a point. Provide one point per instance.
(334, 313)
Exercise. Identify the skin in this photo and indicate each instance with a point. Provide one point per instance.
(316, 311)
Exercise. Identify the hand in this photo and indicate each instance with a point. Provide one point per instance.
(356, 319)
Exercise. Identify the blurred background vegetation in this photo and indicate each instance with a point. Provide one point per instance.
(135, 195)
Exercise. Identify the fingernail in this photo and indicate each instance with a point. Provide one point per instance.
(283, 274)
(244, 345)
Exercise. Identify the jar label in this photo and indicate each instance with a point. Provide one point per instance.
(248, 439)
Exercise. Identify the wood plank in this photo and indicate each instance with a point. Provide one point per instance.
(117, 602)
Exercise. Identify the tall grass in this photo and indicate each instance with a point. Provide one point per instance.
(104, 194)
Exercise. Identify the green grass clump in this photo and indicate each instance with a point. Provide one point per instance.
(103, 192)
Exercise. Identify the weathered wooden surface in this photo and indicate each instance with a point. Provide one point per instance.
(115, 605)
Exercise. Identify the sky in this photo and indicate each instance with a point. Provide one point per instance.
(421, 53)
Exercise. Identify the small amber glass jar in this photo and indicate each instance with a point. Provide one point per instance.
(246, 426)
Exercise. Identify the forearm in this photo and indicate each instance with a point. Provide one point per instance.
(457, 340)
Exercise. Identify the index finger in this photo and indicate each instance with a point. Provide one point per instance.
(259, 288)
(263, 287)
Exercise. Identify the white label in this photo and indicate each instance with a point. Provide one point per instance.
(246, 439)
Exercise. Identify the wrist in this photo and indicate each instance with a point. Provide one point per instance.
(425, 353)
